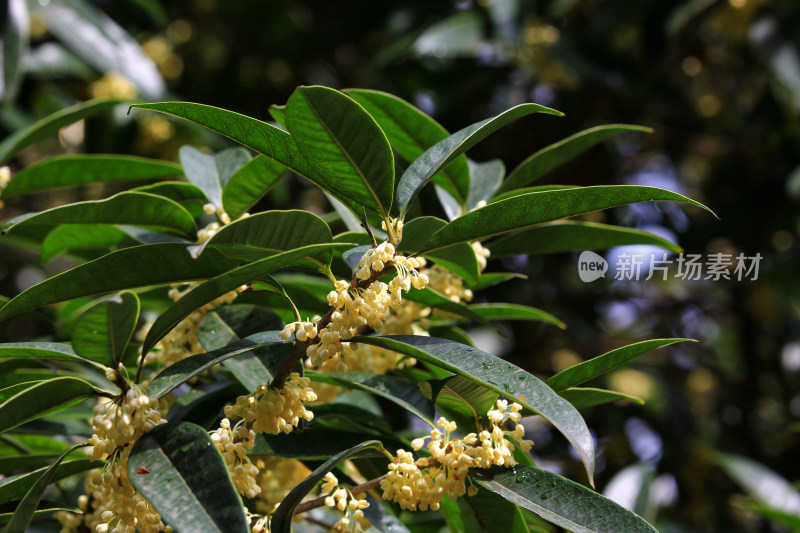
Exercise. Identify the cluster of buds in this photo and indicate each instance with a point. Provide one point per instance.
(122, 420)
(234, 444)
(338, 497)
(420, 484)
(272, 410)
(481, 254)
(211, 229)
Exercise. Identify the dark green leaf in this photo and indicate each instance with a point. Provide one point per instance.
(444, 152)
(211, 172)
(11, 463)
(14, 487)
(411, 132)
(227, 325)
(258, 236)
(559, 153)
(282, 519)
(73, 170)
(538, 207)
(315, 444)
(12, 390)
(486, 512)
(349, 154)
(39, 350)
(260, 136)
(224, 283)
(182, 371)
(190, 196)
(50, 125)
(460, 398)
(601, 364)
(539, 188)
(763, 484)
(188, 484)
(41, 513)
(138, 266)
(431, 298)
(490, 279)
(585, 397)
(568, 236)
(68, 237)
(562, 502)
(404, 393)
(249, 184)
(27, 507)
(500, 376)
(134, 208)
(14, 44)
(43, 398)
(108, 49)
(102, 333)
(502, 311)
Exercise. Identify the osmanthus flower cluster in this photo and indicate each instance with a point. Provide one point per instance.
(112, 504)
(339, 497)
(420, 484)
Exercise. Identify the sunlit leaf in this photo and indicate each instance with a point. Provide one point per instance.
(538, 207)
(134, 208)
(73, 170)
(561, 501)
(500, 376)
(349, 154)
(559, 153)
(444, 152)
(582, 372)
(762, 483)
(188, 482)
(569, 236)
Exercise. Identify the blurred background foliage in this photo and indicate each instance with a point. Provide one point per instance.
(717, 80)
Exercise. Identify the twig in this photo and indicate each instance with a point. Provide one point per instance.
(358, 489)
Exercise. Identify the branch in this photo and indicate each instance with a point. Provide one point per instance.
(358, 489)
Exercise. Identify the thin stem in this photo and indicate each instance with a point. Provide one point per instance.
(358, 489)
(365, 225)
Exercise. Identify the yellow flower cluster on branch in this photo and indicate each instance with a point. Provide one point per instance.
(271, 410)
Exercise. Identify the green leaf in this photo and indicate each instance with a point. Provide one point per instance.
(27, 507)
(264, 234)
(282, 519)
(459, 259)
(460, 398)
(211, 172)
(188, 484)
(188, 195)
(14, 487)
(49, 125)
(315, 444)
(561, 501)
(538, 207)
(223, 283)
(582, 372)
(500, 376)
(486, 512)
(559, 153)
(490, 279)
(525, 190)
(348, 152)
(13, 390)
(431, 298)
(74, 170)
(14, 44)
(176, 374)
(585, 397)
(229, 324)
(43, 398)
(41, 513)
(68, 237)
(444, 152)
(411, 132)
(503, 311)
(569, 236)
(102, 333)
(134, 208)
(404, 393)
(486, 178)
(249, 184)
(262, 137)
(761, 483)
(11, 463)
(138, 266)
(39, 350)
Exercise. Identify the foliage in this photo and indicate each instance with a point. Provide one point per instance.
(218, 337)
